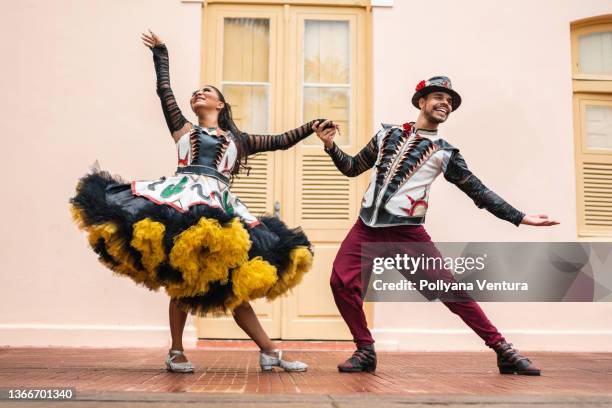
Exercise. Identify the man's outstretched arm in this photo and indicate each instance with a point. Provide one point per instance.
(457, 172)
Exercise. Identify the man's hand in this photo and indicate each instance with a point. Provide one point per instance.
(151, 39)
(326, 135)
(539, 220)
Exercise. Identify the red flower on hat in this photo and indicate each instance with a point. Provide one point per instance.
(420, 86)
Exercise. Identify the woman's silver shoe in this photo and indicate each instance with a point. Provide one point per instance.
(266, 362)
(185, 367)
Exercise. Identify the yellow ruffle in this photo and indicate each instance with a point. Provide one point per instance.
(251, 280)
(300, 262)
(77, 216)
(116, 247)
(205, 253)
(147, 237)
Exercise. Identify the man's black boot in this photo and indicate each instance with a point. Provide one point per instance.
(363, 359)
(510, 361)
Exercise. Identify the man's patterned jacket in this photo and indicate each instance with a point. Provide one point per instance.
(406, 161)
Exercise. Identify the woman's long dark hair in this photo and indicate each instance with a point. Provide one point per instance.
(226, 123)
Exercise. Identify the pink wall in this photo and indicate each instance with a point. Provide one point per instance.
(511, 63)
(80, 87)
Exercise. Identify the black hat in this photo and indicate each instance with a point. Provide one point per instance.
(436, 84)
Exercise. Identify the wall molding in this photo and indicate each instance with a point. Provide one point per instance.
(382, 3)
(389, 339)
(116, 327)
(362, 3)
(90, 335)
(395, 339)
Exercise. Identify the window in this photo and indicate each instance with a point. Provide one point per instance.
(246, 51)
(592, 97)
(326, 74)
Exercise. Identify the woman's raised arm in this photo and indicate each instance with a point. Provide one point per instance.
(177, 123)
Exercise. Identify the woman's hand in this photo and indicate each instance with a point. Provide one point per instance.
(151, 39)
(326, 135)
(539, 220)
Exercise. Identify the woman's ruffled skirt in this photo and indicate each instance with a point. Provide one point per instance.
(203, 257)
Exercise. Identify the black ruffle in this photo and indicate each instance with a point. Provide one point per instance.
(103, 198)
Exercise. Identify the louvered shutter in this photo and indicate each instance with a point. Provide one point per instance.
(325, 193)
(254, 189)
(594, 163)
(597, 191)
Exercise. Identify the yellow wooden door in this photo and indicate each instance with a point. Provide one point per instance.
(327, 77)
(241, 58)
(280, 66)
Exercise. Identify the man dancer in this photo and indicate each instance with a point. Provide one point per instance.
(406, 161)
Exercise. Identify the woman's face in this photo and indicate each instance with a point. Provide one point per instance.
(205, 99)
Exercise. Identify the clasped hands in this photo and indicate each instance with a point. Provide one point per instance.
(326, 130)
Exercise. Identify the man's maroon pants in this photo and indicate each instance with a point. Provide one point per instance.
(347, 286)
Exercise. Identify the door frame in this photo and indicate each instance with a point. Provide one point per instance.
(207, 67)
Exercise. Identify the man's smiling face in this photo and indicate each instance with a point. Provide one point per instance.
(436, 106)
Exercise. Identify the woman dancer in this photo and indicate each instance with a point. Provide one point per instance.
(188, 233)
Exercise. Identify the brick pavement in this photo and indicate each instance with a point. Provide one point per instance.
(234, 371)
